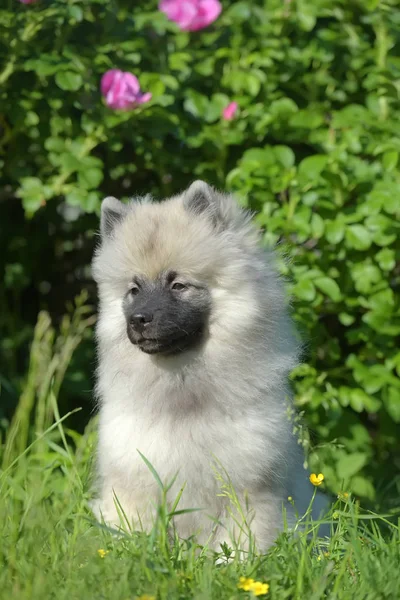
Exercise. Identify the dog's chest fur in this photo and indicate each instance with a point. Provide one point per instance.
(182, 424)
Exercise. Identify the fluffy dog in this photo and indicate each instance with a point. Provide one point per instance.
(195, 346)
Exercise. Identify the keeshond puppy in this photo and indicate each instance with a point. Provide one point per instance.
(195, 346)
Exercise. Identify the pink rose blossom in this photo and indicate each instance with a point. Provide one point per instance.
(122, 90)
(191, 15)
(230, 111)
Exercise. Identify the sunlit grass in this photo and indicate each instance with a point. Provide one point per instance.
(51, 546)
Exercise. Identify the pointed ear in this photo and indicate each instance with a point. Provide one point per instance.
(199, 198)
(112, 212)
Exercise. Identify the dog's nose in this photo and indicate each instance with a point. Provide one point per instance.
(140, 319)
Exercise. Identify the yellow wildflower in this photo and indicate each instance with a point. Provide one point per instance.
(335, 515)
(290, 498)
(316, 479)
(259, 589)
(102, 552)
(256, 587)
(245, 584)
(343, 495)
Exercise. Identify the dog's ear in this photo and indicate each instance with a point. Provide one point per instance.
(222, 209)
(112, 212)
(200, 198)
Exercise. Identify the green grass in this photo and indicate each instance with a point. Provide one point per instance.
(50, 542)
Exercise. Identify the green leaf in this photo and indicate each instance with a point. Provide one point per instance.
(382, 302)
(371, 404)
(386, 259)
(54, 144)
(285, 156)
(351, 464)
(90, 178)
(392, 403)
(68, 81)
(362, 487)
(304, 290)
(76, 13)
(31, 185)
(329, 287)
(215, 107)
(385, 195)
(306, 14)
(32, 203)
(317, 226)
(70, 162)
(87, 201)
(196, 104)
(360, 401)
(75, 198)
(346, 319)
(258, 157)
(366, 276)
(31, 118)
(308, 119)
(240, 11)
(253, 84)
(390, 159)
(334, 231)
(311, 167)
(283, 107)
(33, 194)
(91, 202)
(358, 237)
(178, 61)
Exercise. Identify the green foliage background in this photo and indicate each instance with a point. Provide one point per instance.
(314, 150)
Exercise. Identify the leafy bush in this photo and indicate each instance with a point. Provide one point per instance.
(314, 149)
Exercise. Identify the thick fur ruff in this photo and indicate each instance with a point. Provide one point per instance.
(223, 402)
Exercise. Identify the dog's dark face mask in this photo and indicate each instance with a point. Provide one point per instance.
(167, 315)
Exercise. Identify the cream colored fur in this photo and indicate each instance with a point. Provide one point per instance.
(225, 400)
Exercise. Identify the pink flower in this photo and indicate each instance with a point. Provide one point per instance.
(191, 15)
(122, 90)
(230, 111)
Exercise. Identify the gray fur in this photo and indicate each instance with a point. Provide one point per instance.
(112, 213)
(219, 401)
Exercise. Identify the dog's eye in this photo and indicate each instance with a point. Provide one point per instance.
(134, 290)
(178, 287)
